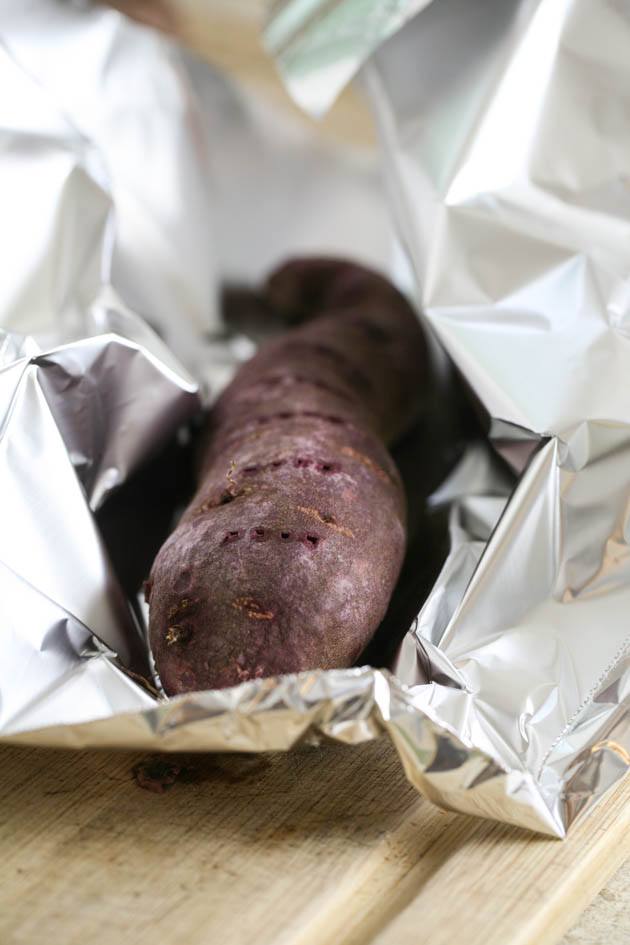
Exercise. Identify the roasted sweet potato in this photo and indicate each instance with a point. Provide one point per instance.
(287, 556)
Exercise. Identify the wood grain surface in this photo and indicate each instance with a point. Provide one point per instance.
(325, 846)
(607, 920)
(227, 33)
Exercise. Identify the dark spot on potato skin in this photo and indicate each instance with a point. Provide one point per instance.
(183, 580)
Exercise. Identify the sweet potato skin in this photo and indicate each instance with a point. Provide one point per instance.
(288, 553)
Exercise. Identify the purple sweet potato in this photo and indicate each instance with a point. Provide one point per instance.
(286, 558)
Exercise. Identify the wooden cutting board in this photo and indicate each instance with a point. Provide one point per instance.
(325, 846)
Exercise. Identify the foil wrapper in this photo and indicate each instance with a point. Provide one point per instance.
(508, 698)
(506, 153)
(318, 47)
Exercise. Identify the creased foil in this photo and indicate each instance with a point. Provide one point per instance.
(505, 142)
(508, 697)
(319, 46)
(77, 96)
(509, 168)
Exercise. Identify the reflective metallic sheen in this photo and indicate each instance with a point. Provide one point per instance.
(506, 145)
(319, 46)
(509, 163)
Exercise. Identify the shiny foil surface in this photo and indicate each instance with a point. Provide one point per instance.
(505, 141)
(506, 151)
(318, 47)
(509, 163)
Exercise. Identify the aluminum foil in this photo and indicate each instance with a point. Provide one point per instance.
(510, 172)
(506, 149)
(319, 47)
(508, 697)
(67, 629)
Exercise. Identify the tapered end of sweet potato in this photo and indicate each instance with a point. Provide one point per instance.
(278, 566)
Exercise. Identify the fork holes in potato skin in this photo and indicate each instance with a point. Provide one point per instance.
(258, 534)
(298, 462)
(294, 378)
(328, 468)
(292, 415)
